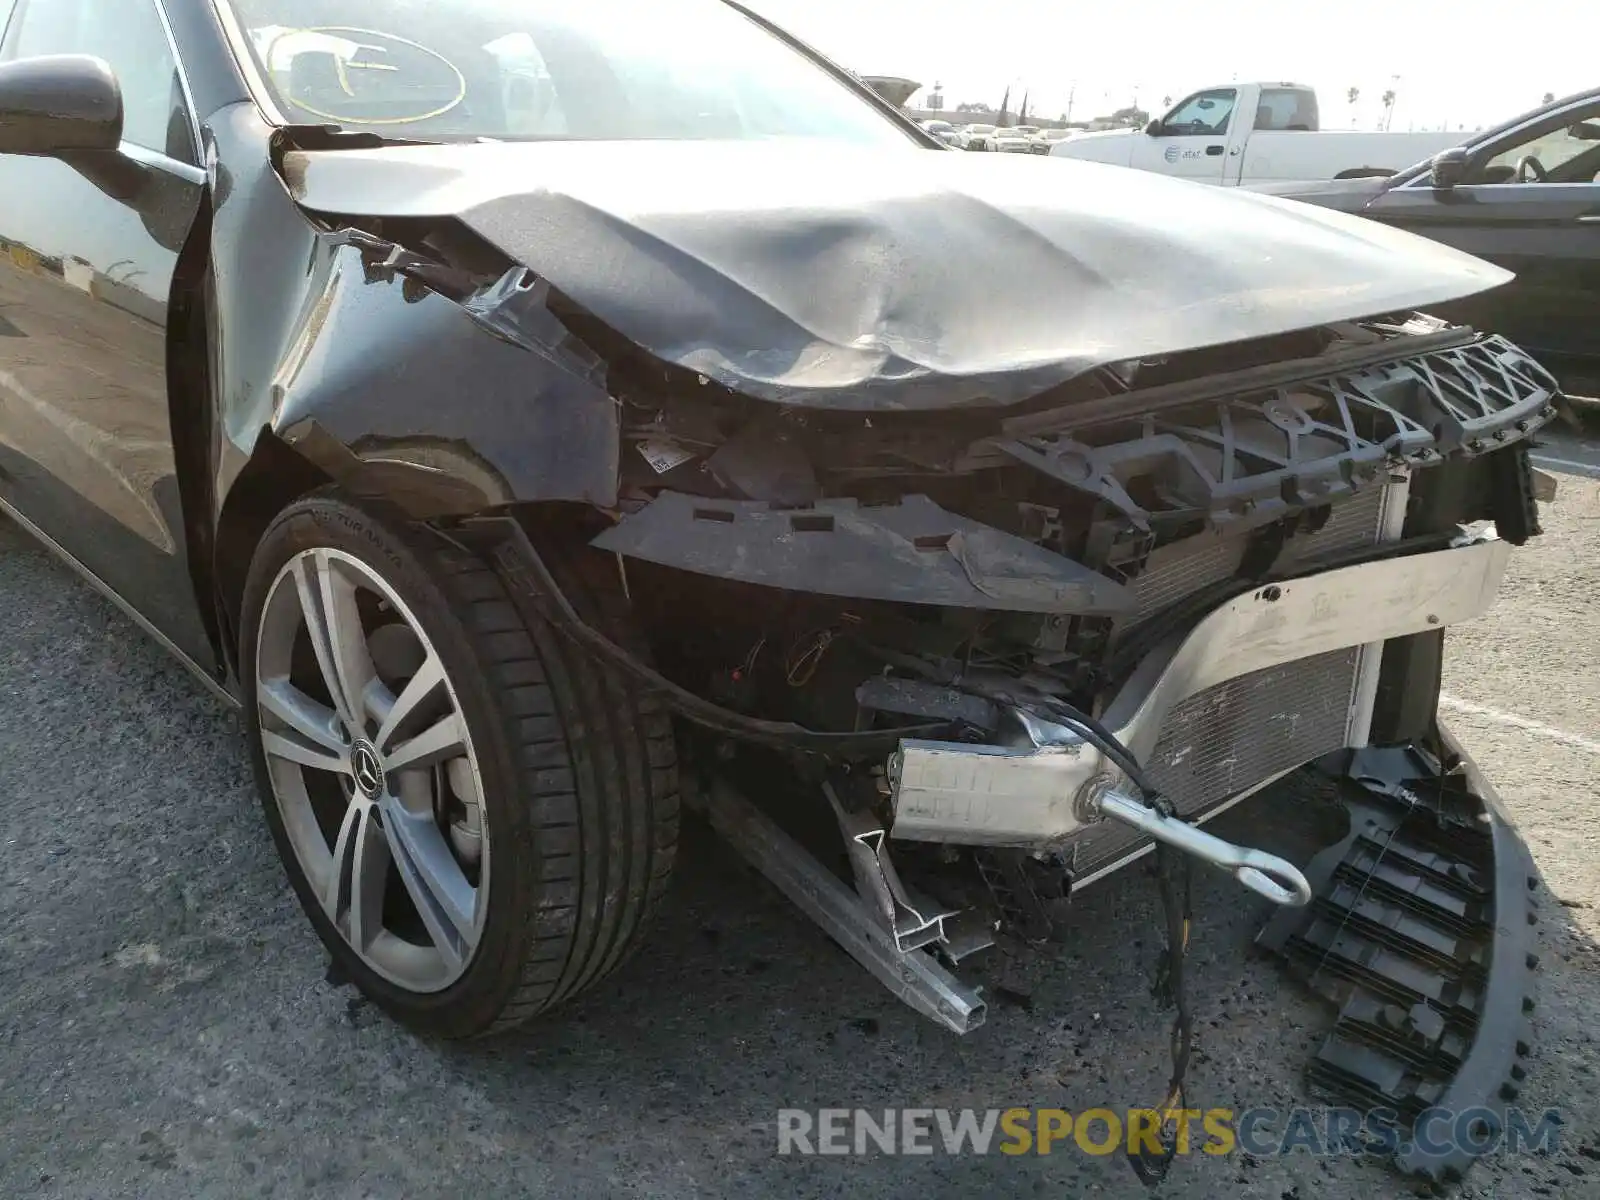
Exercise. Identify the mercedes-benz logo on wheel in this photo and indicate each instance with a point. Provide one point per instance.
(367, 769)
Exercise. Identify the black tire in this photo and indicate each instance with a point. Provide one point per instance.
(578, 768)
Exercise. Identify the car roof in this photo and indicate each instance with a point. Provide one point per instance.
(1534, 114)
(1524, 118)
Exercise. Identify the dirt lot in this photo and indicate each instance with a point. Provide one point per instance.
(166, 1029)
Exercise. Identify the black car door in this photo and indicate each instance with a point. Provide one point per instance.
(86, 268)
(1530, 202)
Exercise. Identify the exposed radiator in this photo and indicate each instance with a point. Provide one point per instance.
(1235, 736)
(1232, 738)
(1183, 568)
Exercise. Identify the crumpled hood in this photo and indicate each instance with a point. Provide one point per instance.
(835, 276)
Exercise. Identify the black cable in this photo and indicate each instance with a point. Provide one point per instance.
(517, 561)
(1174, 872)
(1103, 740)
(1177, 901)
(1087, 727)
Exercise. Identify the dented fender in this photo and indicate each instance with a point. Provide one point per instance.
(379, 381)
(385, 382)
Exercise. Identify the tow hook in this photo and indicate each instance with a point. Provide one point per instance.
(1265, 874)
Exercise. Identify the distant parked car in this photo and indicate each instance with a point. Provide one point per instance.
(1037, 143)
(1013, 140)
(1526, 196)
(946, 133)
(980, 137)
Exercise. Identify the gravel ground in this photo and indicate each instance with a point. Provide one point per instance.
(166, 1028)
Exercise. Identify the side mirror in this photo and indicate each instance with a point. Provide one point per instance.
(1449, 167)
(59, 105)
(1154, 128)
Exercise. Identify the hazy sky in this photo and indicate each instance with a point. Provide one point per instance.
(1467, 63)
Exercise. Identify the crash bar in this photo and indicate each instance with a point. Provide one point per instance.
(1032, 794)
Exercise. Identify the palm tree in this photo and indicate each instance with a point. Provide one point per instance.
(1388, 107)
(1352, 95)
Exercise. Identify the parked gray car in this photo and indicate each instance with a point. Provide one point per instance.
(1524, 195)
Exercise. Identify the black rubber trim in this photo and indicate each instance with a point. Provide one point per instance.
(1422, 931)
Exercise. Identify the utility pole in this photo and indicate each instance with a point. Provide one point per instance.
(1072, 91)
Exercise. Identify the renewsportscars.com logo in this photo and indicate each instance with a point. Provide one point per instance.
(1261, 1132)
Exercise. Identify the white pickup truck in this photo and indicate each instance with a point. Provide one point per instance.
(1254, 135)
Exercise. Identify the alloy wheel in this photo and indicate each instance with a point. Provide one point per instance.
(372, 768)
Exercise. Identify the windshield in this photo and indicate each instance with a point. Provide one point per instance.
(605, 69)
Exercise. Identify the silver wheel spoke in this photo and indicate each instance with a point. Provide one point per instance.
(429, 678)
(377, 700)
(328, 602)
(354, 895)
(313, 721)
(443, 739)
(445, 900)
(295, 749)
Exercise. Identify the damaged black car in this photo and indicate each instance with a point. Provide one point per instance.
(536, 416)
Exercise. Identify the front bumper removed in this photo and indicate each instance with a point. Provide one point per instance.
(1046, 788)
